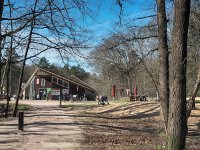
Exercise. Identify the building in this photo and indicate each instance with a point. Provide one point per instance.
(44, 84)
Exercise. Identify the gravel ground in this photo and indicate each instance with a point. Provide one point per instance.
(85, 126)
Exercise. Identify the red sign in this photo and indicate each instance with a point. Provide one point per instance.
(135, 90)
(37, 81)
(113, 90)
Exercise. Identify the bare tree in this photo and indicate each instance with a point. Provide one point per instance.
(24, 61)
(64, 33)
(164, 60)
(1, 12)
(191, 101)
(9, 62)
(177, 122)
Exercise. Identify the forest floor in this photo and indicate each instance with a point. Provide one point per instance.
(86, 126)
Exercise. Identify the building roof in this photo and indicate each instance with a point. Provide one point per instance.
(70, 78)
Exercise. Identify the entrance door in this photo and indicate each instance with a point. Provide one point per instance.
(43, 94)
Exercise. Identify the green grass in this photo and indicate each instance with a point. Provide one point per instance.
(79, 105)
(89, 104)
(159, 147)
(21, 107)
(25, 107)
(119, 101)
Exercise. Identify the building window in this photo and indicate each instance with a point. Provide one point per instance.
(54, 79)
(43, 82)
(66, 84)
(60, 82)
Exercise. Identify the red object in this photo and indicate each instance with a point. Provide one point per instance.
(37, 81)
(135, 91)
(113, 90)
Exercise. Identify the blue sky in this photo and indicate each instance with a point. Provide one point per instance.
(108, 15)
(104, 16)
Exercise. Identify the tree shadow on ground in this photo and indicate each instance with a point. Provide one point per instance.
(129, 106)
(193, 132)
(92, 125)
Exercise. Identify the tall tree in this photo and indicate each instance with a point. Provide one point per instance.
(24, 61)
(1, 39)
(44, 63)
(8, 91)
(177, 122)
(79, 72)
(164, 60)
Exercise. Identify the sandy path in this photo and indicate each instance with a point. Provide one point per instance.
(47, 128)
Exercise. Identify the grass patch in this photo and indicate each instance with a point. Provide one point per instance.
(159, 147)
(89, 103)
(119, 101)
(25, 107)
(78, 104)
(21, 107)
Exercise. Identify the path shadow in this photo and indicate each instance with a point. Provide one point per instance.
(129, 106)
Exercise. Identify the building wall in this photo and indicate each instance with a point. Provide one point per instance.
(76, 90)
(54, 91)
(39, 87)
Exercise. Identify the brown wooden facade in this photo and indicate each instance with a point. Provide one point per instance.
(44, 84)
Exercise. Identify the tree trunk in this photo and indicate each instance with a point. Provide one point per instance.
(8, 81)
(9, 63)
(3, 78)
(177, 122)
(1, 12)
(191, 102)
(163, 61)
(24, 61)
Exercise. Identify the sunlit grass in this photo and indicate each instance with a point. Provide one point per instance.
(89, 103)
(78, 104)
(21, 107)
(119, 101)
(25, 107)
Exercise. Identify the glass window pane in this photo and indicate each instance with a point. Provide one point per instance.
(60, 82)
(54, 79)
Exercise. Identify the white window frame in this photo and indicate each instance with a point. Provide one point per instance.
(59, 83)
(42, 81)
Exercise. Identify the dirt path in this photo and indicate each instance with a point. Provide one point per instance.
(49, 127)
(85, 126)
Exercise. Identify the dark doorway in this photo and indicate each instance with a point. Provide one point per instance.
(43, 94)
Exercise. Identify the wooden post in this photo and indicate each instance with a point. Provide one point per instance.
(21, 121)
(60, 100)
